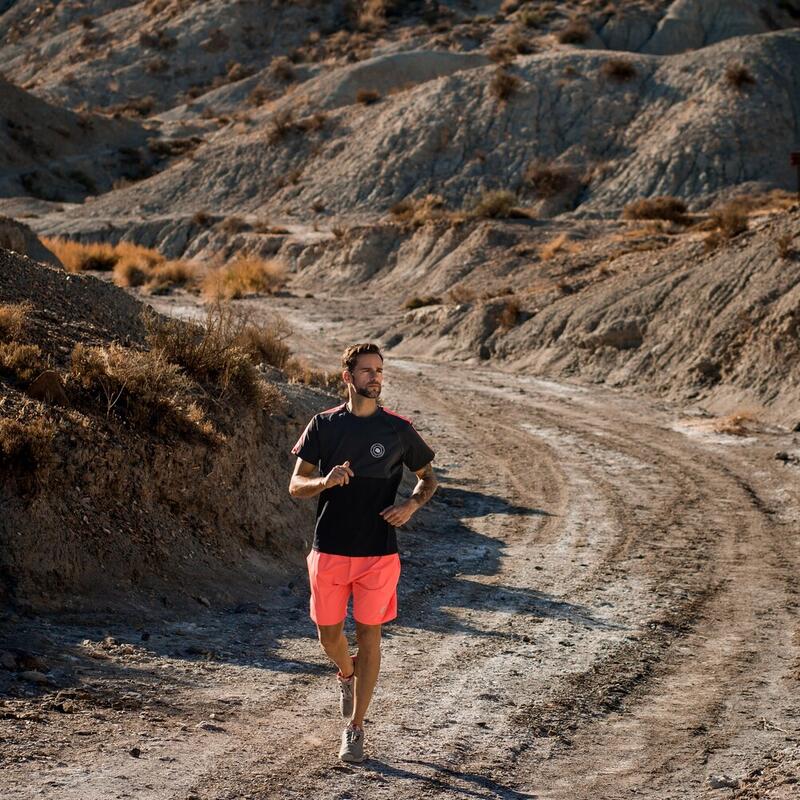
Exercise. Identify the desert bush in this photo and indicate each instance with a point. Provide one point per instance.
(24, 443)
(663, 207)
(167, 274)
(299, 371)
(576, 31)
(157, 40)
(739, 423)
(173, 147)
(80, 256)
(142, 386)
(156, 65)
(231, 225)
(783, 243)
(282, 68)
(509, 315)
(494, 204)
(418, 301)
(520, 42)
(461, 294)
(265, 344)
(12, 320)
(730, 220)
(548, 180)
(215, 354)
(618, 69)
(501, 53)
(203, 219)
(504, 84)
(418, 211)
(738, 77)
(367, 96)
(556, 245)
(535, 17)
(237, 72)
(243, 275)
(23, 361)
(258, 96)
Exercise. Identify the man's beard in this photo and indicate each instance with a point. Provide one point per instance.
(371, 392)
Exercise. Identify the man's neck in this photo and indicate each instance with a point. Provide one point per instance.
(360, 406)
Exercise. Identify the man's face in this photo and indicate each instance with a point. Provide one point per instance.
(367, 375)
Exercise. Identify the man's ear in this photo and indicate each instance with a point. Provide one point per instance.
(346, 376)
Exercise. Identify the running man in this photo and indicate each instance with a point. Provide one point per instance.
(359, 449)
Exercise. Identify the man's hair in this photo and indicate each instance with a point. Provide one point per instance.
(350, 356)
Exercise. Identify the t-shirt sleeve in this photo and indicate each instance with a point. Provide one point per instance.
(307, 446)
(416, 451)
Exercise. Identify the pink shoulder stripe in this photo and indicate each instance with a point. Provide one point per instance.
(399, 416)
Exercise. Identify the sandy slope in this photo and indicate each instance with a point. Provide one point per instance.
(601, 601)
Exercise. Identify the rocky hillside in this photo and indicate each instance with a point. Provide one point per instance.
(168, 472)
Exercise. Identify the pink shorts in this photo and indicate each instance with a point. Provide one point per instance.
(372, 580)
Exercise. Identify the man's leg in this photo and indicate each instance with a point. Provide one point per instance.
(334, 643)
(369, 665)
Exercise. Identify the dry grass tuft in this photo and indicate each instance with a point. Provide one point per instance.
(24, 361)
(418, 211)
(12, 320)
(418, 301)
(221, 353)
(783, 244)
(509, 315)
(738, 77)
(663, 207)
(461, 294)
(559, 244)
(299, 371)
(23, 444)
(367, 96)
(618, 69)
(504, 84)
(244, 275)
(739, 423)
(496, 204)
(576, 31)
(82, 256)
(548, 180)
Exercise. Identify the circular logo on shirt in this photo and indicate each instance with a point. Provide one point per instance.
(377, 450)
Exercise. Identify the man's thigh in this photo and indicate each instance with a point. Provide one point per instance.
(330, 590)
(375, 592)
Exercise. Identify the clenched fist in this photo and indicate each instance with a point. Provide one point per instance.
(339, 476)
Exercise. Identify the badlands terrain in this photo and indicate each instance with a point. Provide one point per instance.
(572, 226)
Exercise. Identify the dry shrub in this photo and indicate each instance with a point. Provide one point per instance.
(461, 294)
(282, 68)
(576, 31)
(244, 275)
(738, 77)
(173, 273)
(418, 301)
(504, 84)
(24, 361)
(501, 53)
(783, 243)
(232, 225)
(663, 207)
(299, 371)
(618, 69)
(142, 386)
(418, 211)
(203, 219)
(495, 204)
(548, 180)
(509, 315)
(558, 244)
(730, 220)
(214, 354)
(739, 423)
(24, 443)
(367, 96)
(266, 344)
(80, 256)
(12, 320)
(157, 40)
(535, 17)
(519, 41)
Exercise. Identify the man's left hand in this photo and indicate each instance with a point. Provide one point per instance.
(400, 513)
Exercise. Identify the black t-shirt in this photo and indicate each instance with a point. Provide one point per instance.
(348, 517)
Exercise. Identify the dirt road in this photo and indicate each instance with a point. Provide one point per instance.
(600, 602)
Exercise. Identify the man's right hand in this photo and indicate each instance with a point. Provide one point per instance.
(338, 476)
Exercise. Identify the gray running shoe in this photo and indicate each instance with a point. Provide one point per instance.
(352, 749)
(346, 686)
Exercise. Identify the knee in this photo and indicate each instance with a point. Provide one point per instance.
(368, 638)
(328, 637)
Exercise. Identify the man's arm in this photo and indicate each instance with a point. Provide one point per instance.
(400, 513)
(303, 484)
